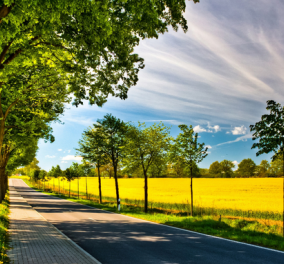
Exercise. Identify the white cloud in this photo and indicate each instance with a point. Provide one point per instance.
(239, 130)
(236, 164)
(208, 146)
(199, 129)
(211, 129)
(216, 128)
(50, 157)
(63, 161)
(59, 149)
(72, 157)
(69, 151)
(228, 132)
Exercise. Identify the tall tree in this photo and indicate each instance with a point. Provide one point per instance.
(92, 149)
(187, 150)
(114, 131)
(145, 145)
(270, 132)
(246, 168)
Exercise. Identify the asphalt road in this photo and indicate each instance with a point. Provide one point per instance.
(113, 238)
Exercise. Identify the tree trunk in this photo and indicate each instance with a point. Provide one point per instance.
(86, 186)
(116, 188)
(78, 187)
(100, 186)
(2, 170)
(145, 192)
(191, 192)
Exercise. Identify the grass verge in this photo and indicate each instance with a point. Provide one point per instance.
(248, 231)
(4, 223)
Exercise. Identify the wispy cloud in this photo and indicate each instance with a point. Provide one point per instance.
(222, 70)
(208, 146)
(50, 157)
(71, 157)
(59, 149)
(242, 138)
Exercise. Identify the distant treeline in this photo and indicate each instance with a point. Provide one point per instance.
(224, 169)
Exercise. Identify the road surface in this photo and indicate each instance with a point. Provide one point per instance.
(113, 238)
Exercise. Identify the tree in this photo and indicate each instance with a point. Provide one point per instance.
(32, 166)
(69, 177)
(227, 168)
(51, 49)
(86, 168)
(215, 168)
(181, 170)
(187, 150)
(145, 145)
(114, 133)
(92, 148)
(57, 172)
(276, 168)
(270, 132)
(159, 166)
(77, 171)
(263, 168)
(246, 168)
(42, 177)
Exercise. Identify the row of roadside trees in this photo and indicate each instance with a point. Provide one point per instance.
(54, 52)
(139, 147)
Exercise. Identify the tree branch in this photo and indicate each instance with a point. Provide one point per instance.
(8, 127)
(12, 56)
(17, 52)
(9, 108)
(5, 10)
(2, 55)
(1, 109)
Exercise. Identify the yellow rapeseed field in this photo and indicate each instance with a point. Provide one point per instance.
(263, 194)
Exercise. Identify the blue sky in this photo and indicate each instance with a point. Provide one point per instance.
(217, 77)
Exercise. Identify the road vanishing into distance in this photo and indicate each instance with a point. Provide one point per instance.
(115, 239)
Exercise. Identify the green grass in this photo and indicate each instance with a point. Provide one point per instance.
(4, 223)
(242, 230)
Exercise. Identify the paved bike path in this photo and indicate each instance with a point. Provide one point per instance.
(113, 238)
(35, 241)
